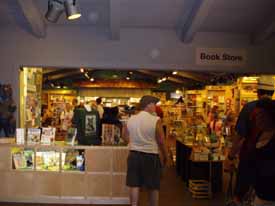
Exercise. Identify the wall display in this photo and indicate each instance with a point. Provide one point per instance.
(30, 93)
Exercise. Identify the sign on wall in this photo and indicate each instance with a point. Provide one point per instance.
(220, 57)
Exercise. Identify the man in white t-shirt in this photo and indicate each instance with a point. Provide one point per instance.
(146, 139)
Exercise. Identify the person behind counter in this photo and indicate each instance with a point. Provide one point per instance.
(145, 136)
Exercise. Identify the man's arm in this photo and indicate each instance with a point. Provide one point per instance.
(236, 146)
(160, 141)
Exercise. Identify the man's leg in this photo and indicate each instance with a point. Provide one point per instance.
(153, 197)
(134, 195)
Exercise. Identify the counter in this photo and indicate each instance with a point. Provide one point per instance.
(189, 169)
(102, 181)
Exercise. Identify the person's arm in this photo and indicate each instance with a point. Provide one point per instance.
(160, 141)
(236, 147)
(125, 133)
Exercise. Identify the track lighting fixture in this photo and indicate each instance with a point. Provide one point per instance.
(56, 8)
(71, 9)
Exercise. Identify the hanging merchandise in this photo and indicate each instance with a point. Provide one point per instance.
(87, 121)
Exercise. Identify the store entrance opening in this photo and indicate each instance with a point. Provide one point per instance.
(198, 114)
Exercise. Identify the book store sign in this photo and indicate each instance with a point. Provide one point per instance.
(220, 57)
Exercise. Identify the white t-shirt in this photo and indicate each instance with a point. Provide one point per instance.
(142, 131)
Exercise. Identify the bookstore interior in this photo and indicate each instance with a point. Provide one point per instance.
(65, 111)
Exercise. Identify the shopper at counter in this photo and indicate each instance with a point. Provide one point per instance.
(145, 135)
(244, 142)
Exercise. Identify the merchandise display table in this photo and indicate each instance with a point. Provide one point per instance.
(101, 181)
(188, 169)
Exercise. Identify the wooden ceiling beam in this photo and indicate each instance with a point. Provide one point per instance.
(63, 75)
(266, 32)
(158, 75)
(34, 17)
(115, 84)
(189, 75)
(194, 19)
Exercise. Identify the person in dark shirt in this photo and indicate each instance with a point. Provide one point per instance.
(244, 143)
(265, 154)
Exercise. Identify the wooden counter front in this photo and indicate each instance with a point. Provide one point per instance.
(102, 182)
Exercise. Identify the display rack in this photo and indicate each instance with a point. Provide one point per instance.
(101, 182)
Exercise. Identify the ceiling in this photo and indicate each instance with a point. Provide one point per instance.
(74, 78)
(252, 17)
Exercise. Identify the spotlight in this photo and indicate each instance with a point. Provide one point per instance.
(82, 70)
(71, 9)
(92, 79)
(175, 72)
(128, 78)
(55, 9)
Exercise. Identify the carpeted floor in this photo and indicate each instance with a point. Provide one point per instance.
(173, 193)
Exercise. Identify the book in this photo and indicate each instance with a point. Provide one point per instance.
(20, 136)
(71, 136)
(19, 161)
(33, 136)
(48, 135)
(110, 134)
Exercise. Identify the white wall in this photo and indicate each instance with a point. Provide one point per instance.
(76, 47)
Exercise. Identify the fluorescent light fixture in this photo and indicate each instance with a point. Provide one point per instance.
(55, 9)
(72, 11)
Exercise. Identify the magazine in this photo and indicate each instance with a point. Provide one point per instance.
(19, 161)
(33, 136)
(71, 136)
(110, 134)
(48, 135)
(20, 136)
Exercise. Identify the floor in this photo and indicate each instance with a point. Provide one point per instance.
(173, 193)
